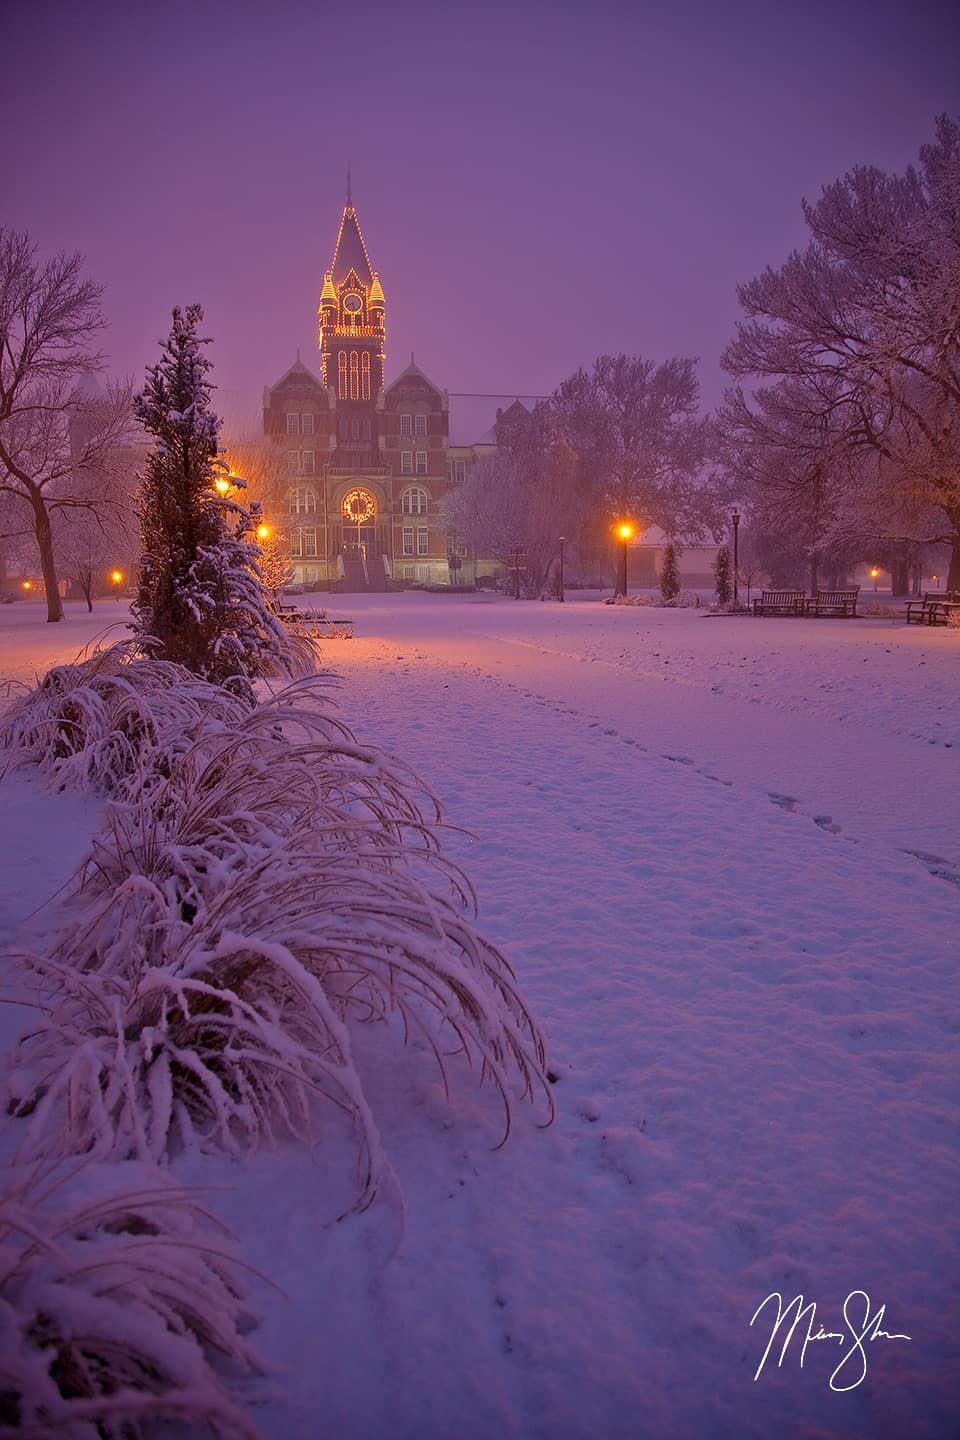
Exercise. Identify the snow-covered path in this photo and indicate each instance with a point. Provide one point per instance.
(752, 1019)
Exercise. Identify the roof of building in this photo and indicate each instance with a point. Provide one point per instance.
(413, 369)
(296, 369)
(350, 253)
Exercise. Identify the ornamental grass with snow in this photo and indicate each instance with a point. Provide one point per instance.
(260, 881)
(119, 1309)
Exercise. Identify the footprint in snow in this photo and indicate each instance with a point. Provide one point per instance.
(936, 865)
(785, 802)
(825, 822)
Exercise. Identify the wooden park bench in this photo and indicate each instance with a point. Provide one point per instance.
(289, 614)
(296, 615)
(934, 608)
(779, 602)
(834, 602)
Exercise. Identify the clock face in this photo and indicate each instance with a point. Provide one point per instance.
(352, 303)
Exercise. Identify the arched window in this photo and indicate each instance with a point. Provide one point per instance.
(303, 501)
(354, 375)
(342, 374)
(414, 501)
(365, 372)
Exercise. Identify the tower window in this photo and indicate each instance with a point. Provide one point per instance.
(414, 501)
(365, 372)
(342, 374)
(406, 424)
(421, 462)
(419, 424)
(354, 375)
(355, 429)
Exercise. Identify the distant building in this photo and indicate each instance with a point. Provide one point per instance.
(367, 463)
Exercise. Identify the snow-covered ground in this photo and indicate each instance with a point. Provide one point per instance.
(723, 857)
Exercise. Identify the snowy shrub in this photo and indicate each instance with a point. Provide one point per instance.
(117, 719)
(723, 578)
(642, 600)
(670, 575)
(280, 880)
(106, 721)
(953, 619)
(117, 1310)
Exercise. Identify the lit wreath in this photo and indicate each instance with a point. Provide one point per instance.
(359, 506)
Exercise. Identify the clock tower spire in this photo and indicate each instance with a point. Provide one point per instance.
(351, 313)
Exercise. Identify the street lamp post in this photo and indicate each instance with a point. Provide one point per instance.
(736, 560)
(560, 577)
(625, 532)
(117, 579)
(874, 575)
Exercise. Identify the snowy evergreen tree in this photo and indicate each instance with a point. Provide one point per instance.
(722, 576)
(670, 576)
(200, 593)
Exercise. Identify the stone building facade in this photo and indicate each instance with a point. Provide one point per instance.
(367, 464)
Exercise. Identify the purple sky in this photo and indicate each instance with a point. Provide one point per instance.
(537, 183)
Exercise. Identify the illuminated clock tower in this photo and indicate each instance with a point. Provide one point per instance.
(351, 333)
(365, 463)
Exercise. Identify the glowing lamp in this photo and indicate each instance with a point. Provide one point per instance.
(624, 531)
(116, 576)
(28, 584)
(263, 532)
(874, 572)
(222, 484)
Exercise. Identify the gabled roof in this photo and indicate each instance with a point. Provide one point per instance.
(297, 371)
(350, 253)
(413, 371)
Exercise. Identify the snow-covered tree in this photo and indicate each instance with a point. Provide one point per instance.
(790, 458)
(91, 542)
(642, 444)
(866, 321)
(670, 575)
(263, 468)
(527, 495)
(200, 592)
(53, 432)
(722, 575)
